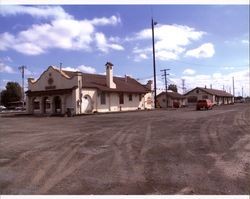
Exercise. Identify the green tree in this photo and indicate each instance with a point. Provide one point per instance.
(173, 87)
(12, 93)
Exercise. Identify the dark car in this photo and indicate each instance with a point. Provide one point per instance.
(204, 104)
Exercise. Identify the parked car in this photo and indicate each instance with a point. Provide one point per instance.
(2, 108)
(206, 104)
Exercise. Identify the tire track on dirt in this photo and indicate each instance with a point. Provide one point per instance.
(210, 134)
(51, 168)
(58, 176)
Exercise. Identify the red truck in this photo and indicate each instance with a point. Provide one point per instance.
(206, 104)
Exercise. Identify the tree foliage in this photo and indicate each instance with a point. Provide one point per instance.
(173, 87)
(12, 93)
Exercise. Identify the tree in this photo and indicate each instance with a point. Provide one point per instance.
(173, 87)
(12, 93)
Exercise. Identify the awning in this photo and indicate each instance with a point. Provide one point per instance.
(30, 93)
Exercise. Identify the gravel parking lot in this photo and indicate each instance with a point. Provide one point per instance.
(149, 152)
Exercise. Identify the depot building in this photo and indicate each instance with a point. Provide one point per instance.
(58, 91)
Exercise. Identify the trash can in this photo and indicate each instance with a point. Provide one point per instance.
(69, 112)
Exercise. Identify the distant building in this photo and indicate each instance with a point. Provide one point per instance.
(58, 92)
(216, 96)
(174, 99)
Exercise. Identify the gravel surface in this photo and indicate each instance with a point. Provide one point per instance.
(171, 151)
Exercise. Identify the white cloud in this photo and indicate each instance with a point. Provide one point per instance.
(204, 51)
(5, 68)
(189, 71)
(228, 67)
(244, 41)
(166, 55)
(38, 12)
(6, 59)
(87, 69)
(170, 40)
(113, 20)
(140, 57)
(82, 68)
(219, 80)
(62, 32)
(103, 45)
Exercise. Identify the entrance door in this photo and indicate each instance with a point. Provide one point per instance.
(86, 104)
(58, 105)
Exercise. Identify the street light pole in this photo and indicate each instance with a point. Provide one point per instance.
(153, 44)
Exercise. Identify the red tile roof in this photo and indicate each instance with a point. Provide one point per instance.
(128, 84)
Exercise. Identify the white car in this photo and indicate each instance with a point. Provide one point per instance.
(2, 108)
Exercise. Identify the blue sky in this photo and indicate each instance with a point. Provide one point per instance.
(203, 44)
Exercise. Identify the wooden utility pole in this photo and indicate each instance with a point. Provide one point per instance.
(153, 44)
(166, 84)
(183, 86)
(233, 89)
(22, 68)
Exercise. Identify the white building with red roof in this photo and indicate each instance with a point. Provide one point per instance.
(59, 92)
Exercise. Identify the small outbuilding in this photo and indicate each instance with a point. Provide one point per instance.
(173, 99)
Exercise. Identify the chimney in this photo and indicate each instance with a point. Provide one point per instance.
(126, 78)
(109, 75)
(149, 85)
(30, 81)
(211, 86)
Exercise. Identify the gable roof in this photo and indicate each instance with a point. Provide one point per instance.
(128, 84)
(215, 92)
(173, 95)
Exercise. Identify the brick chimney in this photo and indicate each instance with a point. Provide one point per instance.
(109, 75)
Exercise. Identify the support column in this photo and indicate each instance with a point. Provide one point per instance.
(41, 105)
(52, 105)
(63, 99)
(29, 105)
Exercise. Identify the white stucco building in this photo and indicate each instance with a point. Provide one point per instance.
(58, 92)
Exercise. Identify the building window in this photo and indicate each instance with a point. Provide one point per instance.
(130, 98)
(192, 99)
(204, 97)
(103, 98)
(121, 99)
(197, 91)
(163, 100)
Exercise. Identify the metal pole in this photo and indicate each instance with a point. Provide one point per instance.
(153, 43)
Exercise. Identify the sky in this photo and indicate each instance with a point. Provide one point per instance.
(204, 45)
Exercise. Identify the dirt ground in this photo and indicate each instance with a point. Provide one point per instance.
(149, 152)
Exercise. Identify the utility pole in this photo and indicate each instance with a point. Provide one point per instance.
(242, 92)
(233, 89)
(183, 86)
(153, 44)
(166, 85)
(22, 68)
(223, 88)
